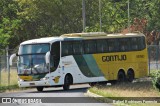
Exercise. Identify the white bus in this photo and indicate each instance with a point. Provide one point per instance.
(81, 58)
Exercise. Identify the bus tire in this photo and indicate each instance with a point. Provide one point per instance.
(113, 82)
(67, 82)
(92, 84)
(40, 88)
(130, 75)
(121, 76)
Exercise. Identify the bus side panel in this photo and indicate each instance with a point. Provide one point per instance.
(142, 69)
(83, 68)
(104, 66)
(111, 63)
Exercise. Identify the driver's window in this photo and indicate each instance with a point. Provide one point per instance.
(55, 56)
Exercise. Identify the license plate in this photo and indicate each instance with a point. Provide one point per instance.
(32, 83)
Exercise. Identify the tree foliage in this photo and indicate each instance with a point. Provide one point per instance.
(9, 23)
(21, 20)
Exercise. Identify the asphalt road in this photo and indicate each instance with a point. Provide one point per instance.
(55, 96)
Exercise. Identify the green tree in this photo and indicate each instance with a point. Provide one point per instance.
(50, 17)
(153, 15)
(21, 20)
(9, 23)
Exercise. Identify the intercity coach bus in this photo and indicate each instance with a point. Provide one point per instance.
(81, 58)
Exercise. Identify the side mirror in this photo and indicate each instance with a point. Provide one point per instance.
(47, 57)
(17, 54)
(11, 59)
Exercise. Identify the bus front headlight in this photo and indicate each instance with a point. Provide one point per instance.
(45, 78)
(19, 79)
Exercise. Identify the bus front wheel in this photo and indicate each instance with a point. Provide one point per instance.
(92, 84)
(67, 82)
(40, 89)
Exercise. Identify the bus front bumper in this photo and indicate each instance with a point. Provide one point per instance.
(33, 83)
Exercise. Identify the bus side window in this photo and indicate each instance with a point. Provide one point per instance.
(102, 46)
(86, 47)
(110, 45)
(67, 48)
(77, 48)
(113, 45)
(55, 56)
(81, 50)
(92, 47)
(141, 43)
(70, 48)
(64, 49)
(89, 46)
(124, 44)
(134, 43)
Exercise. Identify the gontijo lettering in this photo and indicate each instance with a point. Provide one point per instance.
(114, 58)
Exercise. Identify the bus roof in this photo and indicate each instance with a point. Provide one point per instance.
(80, 36)
(96, 35)
(42, 40)
(89, 34)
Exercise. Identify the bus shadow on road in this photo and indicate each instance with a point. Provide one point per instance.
(60, 90)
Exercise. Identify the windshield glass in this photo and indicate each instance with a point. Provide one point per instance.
(34, 48)
(31, 59)
(32, 64)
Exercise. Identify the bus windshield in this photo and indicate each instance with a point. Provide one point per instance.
(31, 59)
(34, 49)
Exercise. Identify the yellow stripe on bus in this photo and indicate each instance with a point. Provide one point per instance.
(27, 78)
(111, 63)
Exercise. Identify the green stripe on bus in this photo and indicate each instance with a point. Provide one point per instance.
(87, 65)
(92, 64)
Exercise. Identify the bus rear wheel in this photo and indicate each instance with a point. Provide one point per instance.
(40, 88)
(121, 76)
(130, 75)
(113, 82)
(67, 82)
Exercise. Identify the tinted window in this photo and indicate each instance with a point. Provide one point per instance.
(102, 46)
(124, 44)
(55, 56)
(137, 43)
(113, 45)
(134, 43)
(77, 48)
(141, 43)
(90, 46)
(67, 48)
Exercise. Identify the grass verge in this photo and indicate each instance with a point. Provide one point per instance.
(11, 88)
(4, 81)
(136, 89)
(8, 88)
